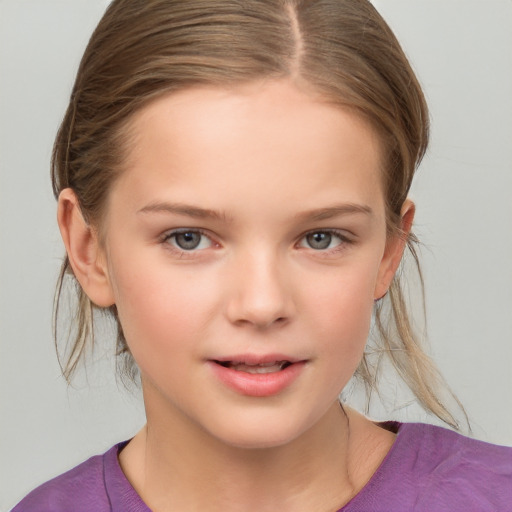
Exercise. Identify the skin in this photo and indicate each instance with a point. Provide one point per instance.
(275, 164)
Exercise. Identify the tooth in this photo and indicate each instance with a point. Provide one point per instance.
(272, 367)
(255, 365)
(261, 369)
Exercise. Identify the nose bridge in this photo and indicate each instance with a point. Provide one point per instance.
(260, 293)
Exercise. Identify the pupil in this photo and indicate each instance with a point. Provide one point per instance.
(319, 240)
(189, 240)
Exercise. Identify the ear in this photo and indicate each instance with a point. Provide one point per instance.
(394, 250)
(86, 257)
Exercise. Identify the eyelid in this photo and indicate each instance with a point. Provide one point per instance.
(174, 232)
(346, 239)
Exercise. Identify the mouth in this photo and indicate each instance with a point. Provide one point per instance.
(258, 376)
(258, 368)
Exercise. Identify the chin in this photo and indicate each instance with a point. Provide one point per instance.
(258, 442)
(259, 435)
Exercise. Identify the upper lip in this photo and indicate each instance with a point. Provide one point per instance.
(256, 359)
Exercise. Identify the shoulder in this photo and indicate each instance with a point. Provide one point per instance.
(454, 472)
(433, 468)
(463, 470)
(439, 449)
(81, 488)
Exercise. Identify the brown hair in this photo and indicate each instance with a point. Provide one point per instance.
(343, 49)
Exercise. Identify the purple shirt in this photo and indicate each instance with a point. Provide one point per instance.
(427, 469)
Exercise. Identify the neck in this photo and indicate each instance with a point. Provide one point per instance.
(189, 470)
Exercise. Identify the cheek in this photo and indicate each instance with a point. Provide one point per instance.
(160, 307)
(342, 307)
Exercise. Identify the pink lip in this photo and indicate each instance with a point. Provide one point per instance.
(257, 358)
(257, 384)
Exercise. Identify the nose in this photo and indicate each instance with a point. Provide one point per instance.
(260, 293)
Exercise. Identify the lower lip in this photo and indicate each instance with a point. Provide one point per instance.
(257, 384)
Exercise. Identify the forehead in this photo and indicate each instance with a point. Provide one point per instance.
(269, 139)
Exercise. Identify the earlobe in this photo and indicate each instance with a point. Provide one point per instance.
(84, 252)
(394, 250)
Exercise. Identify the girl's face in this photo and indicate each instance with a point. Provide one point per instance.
(245, 245)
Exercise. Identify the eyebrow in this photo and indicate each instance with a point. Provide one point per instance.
(206, 213)
(183, 209)
(335, 211)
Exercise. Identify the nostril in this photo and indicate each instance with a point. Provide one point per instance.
(263, 324)
(247, 306)
(278, 321)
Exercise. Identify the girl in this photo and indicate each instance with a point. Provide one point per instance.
(232, 182)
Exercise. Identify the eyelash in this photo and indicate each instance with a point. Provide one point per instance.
(173, 234)
(341, 235)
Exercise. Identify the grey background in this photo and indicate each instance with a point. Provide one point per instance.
(462, 51)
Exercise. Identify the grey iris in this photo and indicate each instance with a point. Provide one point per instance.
(189, 240)
(319, 240)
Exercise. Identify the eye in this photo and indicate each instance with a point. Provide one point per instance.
(188, 240)
(323, 240)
